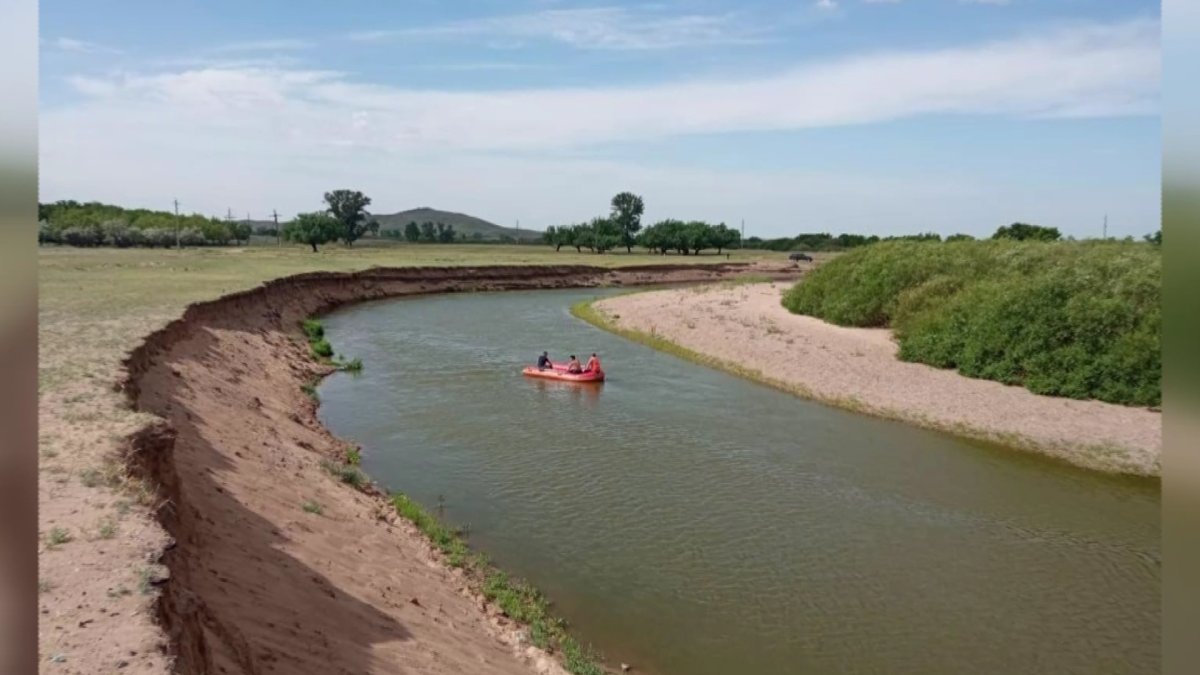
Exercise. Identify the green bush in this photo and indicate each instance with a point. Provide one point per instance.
(1074, 319)
(322, 348)
(313, 329)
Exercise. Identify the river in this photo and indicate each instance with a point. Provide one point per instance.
(691, 522)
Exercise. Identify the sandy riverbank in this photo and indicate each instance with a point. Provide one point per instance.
(253, 581)
(746, 327)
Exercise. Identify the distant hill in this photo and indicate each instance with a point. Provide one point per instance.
(461, 222)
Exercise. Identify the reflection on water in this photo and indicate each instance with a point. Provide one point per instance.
(689, 522)
(584, 393)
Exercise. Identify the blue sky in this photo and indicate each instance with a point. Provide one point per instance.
(869, 116)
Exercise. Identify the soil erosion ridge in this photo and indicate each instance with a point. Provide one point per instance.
(257, 584)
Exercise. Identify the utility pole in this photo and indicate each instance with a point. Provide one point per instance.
(278, 234)
(518, 231)
(177, 224)
(742, 243)
(1106, 226)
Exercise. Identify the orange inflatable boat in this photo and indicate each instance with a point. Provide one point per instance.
(559, 372)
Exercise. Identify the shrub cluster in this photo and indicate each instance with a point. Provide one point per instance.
(1074, 319)
(94, 224)
(603, 234)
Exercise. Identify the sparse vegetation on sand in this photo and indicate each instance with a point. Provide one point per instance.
(1074, 319)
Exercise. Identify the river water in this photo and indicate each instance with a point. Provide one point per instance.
(690, 522)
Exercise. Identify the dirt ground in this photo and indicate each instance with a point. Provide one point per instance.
(245, 458)
(857, 368)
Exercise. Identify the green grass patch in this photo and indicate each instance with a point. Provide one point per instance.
(1073, 319)
(57, 537)
(313, 329)
(310, 390)
(311, 506)
(516, 598)
(107, 529)
(354, 365)
(353, 456)
(321, 349)
(350, 475)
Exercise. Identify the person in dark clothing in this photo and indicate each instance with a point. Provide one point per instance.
(544, 361)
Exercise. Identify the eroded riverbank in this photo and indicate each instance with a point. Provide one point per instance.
(260, 579)
(745, 330)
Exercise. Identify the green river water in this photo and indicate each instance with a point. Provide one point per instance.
(690, 522)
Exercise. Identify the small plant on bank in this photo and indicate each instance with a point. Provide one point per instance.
(310, 390)
(89, 477)
(57, 537)
(311, 506)
(44, 586)
(321, 348)
(353, 456)
(145, 580)
(313, 329)
(107, 529)
(354, 365)
(350, 475)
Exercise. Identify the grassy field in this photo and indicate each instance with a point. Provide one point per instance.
(1074, 319)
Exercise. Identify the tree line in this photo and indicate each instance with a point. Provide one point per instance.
(429, 232)
(622, 227)
(95, 224)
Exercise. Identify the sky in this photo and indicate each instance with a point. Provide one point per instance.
(865, 116)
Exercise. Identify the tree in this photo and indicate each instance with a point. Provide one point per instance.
(626, 215)
(445, 233)
(412, 232)
(1027, 232)
(960, 237)
(428, 231)
(313, 229)
(698, 235)
(241, 232)
(348, 207)
(1155, 238)
(723, 236)
(552, 237)
(605, 233)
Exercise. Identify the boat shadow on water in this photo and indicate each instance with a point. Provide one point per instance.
(584, 392)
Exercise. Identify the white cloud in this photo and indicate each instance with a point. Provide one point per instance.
(600, 28)
(985, 2)
(826, 5)
(67, 44)
(284, 44)
(274, 136)
(1084, 71)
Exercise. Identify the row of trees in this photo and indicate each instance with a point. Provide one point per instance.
(95, 224)
(623, 228)
(428, 232)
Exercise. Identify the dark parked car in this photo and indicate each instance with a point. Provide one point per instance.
(800, 256)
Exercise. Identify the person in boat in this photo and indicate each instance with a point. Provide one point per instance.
(573, 365)
(544, 361)
(593, 364)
